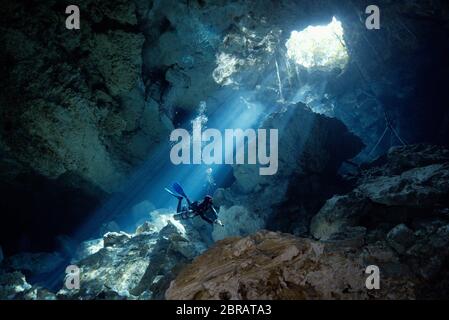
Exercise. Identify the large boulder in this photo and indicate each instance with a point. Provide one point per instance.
(269, 265)
(338, 213)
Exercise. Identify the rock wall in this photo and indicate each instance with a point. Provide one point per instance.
(74, 121)
(409, 184)
(398, 71)
(73, 101)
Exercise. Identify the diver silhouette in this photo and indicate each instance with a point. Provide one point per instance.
(205, 209)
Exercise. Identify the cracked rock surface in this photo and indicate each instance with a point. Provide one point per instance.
(268, 265)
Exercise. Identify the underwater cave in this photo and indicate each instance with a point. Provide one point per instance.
(86, 140)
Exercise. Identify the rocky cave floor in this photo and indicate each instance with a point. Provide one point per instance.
(396, 217)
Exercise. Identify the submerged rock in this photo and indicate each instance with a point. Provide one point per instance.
(401, 159)
(338, 213)
(401, 206)
(37, 293)
(409, 242)
(400, 238)
(70, 116)
(134, 266)
(146, 227)
(118, 266)
(12, 284)
(270, 265)
(418, 187)
(115, 238)
(388, 194)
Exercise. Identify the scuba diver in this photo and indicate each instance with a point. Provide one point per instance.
(205, 209)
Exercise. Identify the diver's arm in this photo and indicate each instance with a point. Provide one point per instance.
(185, 214)
(192, 213)
(217, 221)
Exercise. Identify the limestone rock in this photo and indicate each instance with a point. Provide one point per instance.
(337, 213)
(73, 110)
(400, 159)
(400, 238)
(128, 266)
(270, 265)
(146, 227)
(115, 238)
(37, 293)
(418, 187)
(388, 194)
(12, 284)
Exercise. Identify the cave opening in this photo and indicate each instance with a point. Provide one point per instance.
(319, 47)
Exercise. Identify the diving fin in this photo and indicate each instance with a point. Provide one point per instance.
(173, 194)
(177, 187)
